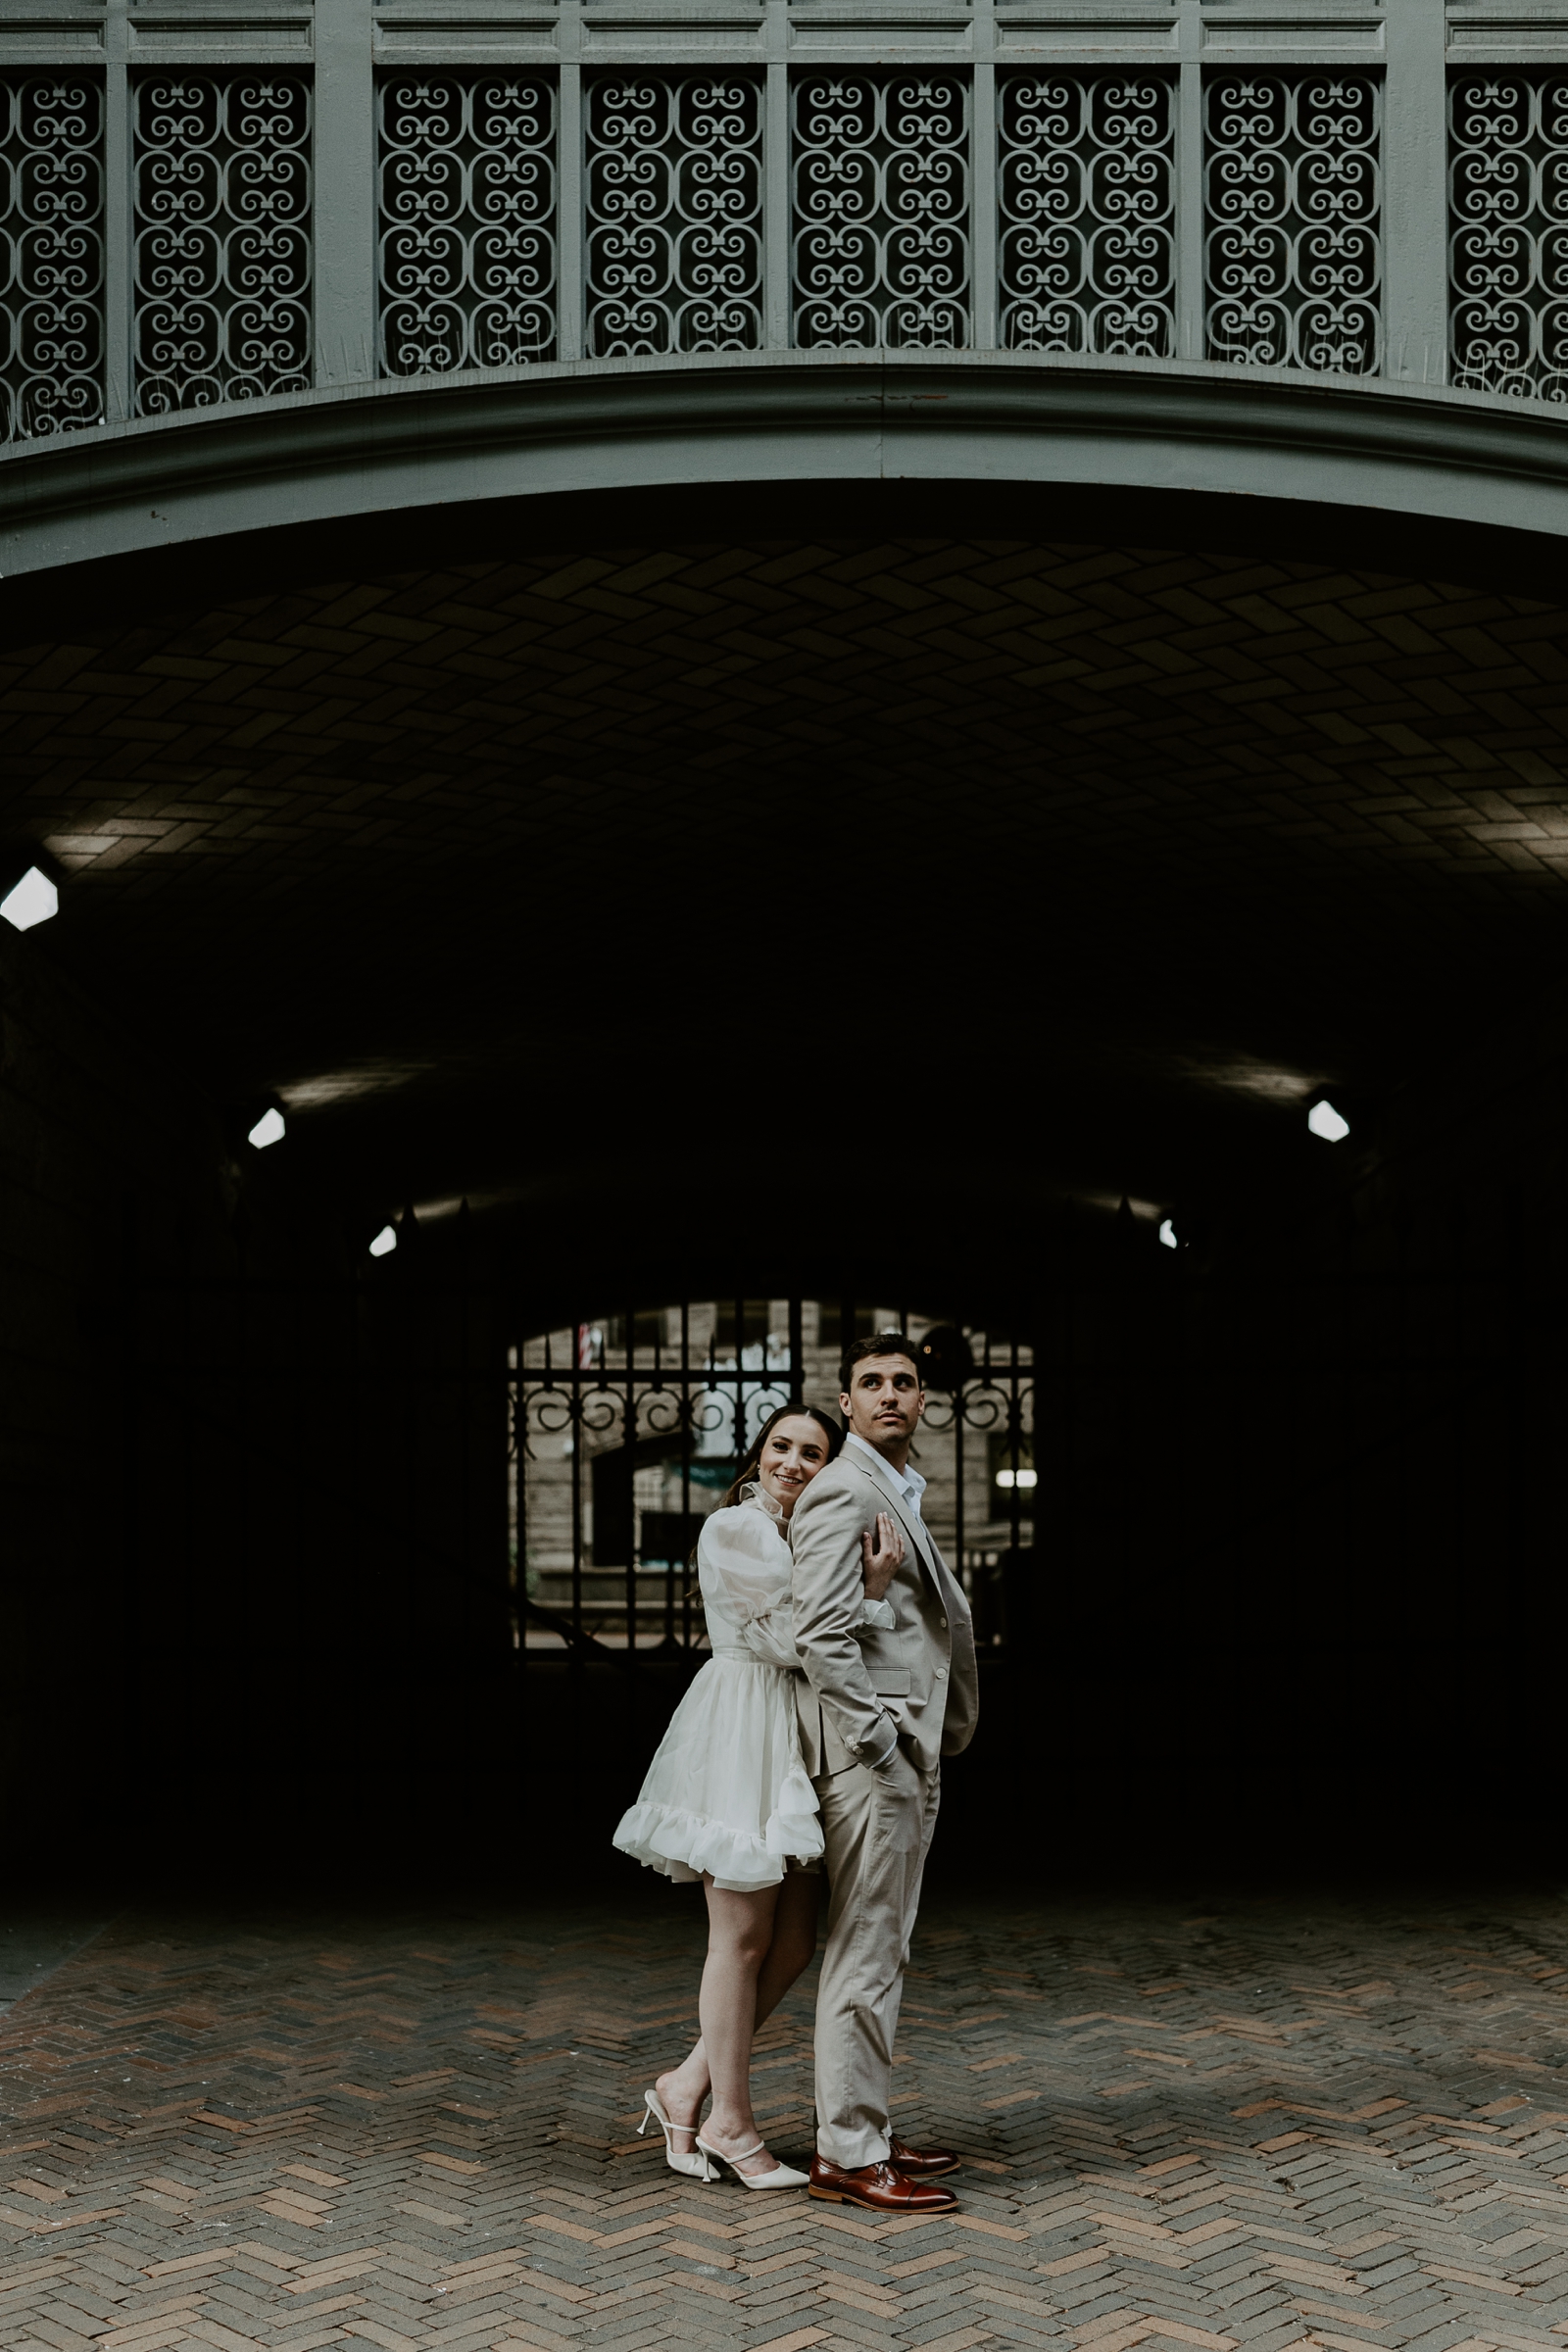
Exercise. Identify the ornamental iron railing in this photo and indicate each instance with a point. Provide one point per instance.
(466, 174)
(1508, 233)
(880, 172)
(221, 177)
(161, 250)
(52, 253)
(673, 204)
(1087, 213)
(1293, 208)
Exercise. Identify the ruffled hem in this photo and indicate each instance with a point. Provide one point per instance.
(795, 1818)
(683, 1846)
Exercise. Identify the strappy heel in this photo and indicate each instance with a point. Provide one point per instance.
(782, 2176)
(678, 2160)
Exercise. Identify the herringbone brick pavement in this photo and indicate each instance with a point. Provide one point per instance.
(1264, 2124)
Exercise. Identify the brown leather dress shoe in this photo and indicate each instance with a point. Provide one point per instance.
(879, 2187)
(921, 2164)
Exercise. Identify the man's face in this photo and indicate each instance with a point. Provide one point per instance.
(884, 1401)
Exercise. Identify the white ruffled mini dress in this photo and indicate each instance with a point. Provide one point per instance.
(727, 1792)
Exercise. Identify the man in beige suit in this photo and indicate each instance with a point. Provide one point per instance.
(878, 1710)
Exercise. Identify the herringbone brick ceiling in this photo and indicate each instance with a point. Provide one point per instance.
(1154, 821)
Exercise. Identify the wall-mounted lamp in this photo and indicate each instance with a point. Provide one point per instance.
(385, 1241)
(33, 900)
(1324, 1120)
(269, 1129)
(1168, 1234)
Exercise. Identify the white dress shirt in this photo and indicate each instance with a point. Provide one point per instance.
(912, 1486)
(909, 1483)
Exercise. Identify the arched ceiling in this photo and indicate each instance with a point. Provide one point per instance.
(513, 876)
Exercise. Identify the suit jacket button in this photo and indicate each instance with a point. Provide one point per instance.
(942, 1621)
(942, 1674)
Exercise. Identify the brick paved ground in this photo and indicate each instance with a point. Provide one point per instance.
(1275, 2123)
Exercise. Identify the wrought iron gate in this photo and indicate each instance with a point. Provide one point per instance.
(388, 1497)
(625, 1432)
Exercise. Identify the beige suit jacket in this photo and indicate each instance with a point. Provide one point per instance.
(916, 1679)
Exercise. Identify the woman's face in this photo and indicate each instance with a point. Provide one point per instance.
(795, 1452)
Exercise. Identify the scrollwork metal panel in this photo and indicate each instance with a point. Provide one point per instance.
(468, 198)
(1508, 235)
(1086, 237)
(51, 254)
(1294, 260)
(674, 214)
(223, 274)
(880, 168)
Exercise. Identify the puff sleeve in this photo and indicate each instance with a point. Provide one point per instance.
(744, 1548)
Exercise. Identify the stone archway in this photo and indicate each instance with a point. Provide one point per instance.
(552, 453)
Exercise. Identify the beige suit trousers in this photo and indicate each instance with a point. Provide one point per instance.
(877, 1822)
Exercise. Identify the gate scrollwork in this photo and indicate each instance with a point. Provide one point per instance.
(222, 238)
(1088, 207)
(467, 240)
(223, 270)
(1294, 239)
(674, 214)
(1508, 235)
(881, 177)
(51, 255)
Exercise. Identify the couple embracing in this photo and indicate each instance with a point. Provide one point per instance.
(843, 1671)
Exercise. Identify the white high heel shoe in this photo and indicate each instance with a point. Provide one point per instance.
(782, 2176)
(693, 2165)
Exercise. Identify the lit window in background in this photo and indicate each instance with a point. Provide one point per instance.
(33, 900)
(269, 1129)
(1015, 1478)
(1324, 1120)
(384, 1240)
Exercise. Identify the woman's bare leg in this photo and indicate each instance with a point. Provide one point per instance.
(794, 1943)
(740, 1929)
(790, 1949)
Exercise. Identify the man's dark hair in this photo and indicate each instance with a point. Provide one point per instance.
(880, 1342)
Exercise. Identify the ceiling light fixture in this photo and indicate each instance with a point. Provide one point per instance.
(33, 900)
(269, 1129)
(1168, 1234)
(1324, 1120)
(384, 1240)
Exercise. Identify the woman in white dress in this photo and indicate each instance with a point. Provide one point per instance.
(726, 1798)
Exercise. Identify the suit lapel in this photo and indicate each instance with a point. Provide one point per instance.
(911, 1521)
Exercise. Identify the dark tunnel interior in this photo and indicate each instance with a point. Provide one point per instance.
(628, 918)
